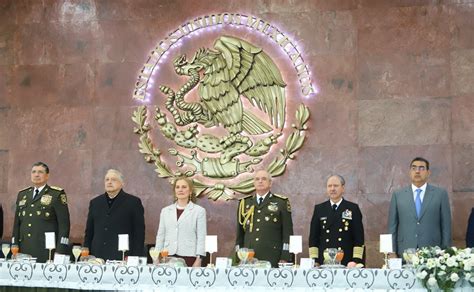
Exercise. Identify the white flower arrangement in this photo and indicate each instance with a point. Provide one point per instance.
(437, 268)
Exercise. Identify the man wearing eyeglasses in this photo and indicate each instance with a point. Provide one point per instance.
(419, 215)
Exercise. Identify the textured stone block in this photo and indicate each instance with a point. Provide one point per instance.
(462, 67)
(5, 83)
(48, 128)
(463, 26)
(4, 125)
(4, 171)
(461, 205)
(6, 43)
(374, 208)
(334, 76)
(403, 75)
(382, 170)
(327, 32)
(463, 168)
(36, 85)
(333, 123)
(396, 122)
(115, 82)
(463, 120)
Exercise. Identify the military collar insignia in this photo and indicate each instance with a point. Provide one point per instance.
(347, 214)
(22, 202)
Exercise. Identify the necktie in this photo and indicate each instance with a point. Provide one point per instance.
(36, 193)
(260, 200)
(334, 207)
(418, 202)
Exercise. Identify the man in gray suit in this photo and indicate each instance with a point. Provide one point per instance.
(419, 214)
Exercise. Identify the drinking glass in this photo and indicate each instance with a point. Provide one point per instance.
(243, 254)
(332, 255)
(76, 251)
(408, 256)
(154, 254)
(339, 256)
(6, 249)
(164, 254)
(84, 252)
(14, 249)
(251, 254)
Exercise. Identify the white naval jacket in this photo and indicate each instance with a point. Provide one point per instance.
(186, 236)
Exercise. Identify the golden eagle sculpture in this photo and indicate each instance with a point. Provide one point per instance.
(235, 69)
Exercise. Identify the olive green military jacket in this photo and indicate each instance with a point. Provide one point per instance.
(265, 228)
(47, 212)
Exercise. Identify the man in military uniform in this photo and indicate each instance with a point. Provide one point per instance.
(39, 209)
(264, 222)
(337, 223)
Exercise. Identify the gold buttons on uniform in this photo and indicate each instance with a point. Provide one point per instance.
(267, 218)
(258, 229)
(340, 229)
(256, 239)
(29, 224)
(339, 239)
(259, 211)
(327, 231)
(29, 235)
(327, 240)
(47, 214)
(32, 205)
(275, 220)
(31, 214)
(345, 228)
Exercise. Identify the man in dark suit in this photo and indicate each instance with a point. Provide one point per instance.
(337, 223)
(110, 214)
(264, 222)
(419, 214)
(39, 209)
(470, 230)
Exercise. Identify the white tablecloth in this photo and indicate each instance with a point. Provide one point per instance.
(120, 277)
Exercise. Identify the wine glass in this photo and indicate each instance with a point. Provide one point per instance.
(251, 254)
(14, 249)
(408, 256)
(76, 251)
(164, 254)
(6, 249)
(84, 252)
(243, 254)
(154, 254)
(339, 256)
(332, 255)
(326, 256)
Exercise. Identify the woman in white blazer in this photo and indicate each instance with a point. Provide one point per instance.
(182, 229)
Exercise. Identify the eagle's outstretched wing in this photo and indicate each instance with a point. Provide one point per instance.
(255, 76)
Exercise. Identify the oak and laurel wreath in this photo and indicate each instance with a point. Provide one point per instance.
(277, 167)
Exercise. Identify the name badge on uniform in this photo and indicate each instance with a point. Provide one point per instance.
(46, 200)
(22, 203)
(273, 207)
(323, 218)
(347, 214)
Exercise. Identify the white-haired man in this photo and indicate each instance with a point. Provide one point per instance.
(110, 214)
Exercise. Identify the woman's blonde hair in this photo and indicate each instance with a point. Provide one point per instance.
(189, 182)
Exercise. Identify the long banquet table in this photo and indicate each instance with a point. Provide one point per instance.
(147, 278)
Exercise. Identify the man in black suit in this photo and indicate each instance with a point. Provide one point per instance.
(110, 214)
(337, 223)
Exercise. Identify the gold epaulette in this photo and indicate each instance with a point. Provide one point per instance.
(243, 198)
(27, 188)
(358, 252)
(56, 188)
(281, 197)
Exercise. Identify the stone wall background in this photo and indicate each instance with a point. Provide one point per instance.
(396, 81)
